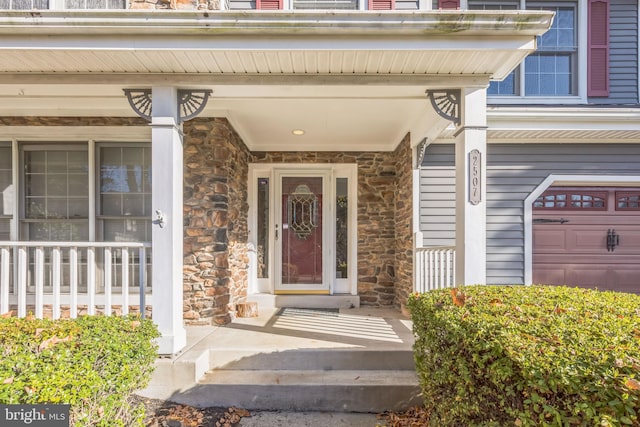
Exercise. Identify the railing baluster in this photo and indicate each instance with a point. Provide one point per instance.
(107, 281)
(5, 263)
(435, 268)
(28, 269)
(73, 282)
(56, 271)
(125, 281)
(453, 268)
(142, 255)
(39, 273)
(23, 266)
(91, 281)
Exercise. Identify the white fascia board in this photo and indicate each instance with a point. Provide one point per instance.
(451, 24)
(269, 42)
(550, 118)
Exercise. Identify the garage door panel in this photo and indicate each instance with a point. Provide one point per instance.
(629, 238)
(586, 240)
(592, 276)
(550, 240)
(625, 279)
(606, 258)
(548, 274)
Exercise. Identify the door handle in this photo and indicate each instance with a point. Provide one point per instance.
(276, 231)
(613, 240)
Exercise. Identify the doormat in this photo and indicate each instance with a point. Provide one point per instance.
(289, 311)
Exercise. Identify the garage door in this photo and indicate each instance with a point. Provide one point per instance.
(588, 237)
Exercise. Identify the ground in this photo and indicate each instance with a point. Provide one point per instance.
(162, 413)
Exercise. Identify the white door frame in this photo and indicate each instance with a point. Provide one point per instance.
(566, 180)
(273, 172)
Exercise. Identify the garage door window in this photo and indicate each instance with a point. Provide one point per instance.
(571, 200)
(627, 201)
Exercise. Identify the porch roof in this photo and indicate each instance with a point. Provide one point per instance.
(355, 79)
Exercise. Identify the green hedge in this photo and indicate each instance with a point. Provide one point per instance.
(93, 363)
(528, 356)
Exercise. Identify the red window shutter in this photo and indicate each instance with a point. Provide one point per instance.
(382, 4)
(269, 4)
(448, 4)
(598, 46)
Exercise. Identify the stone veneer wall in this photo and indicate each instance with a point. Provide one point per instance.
(376, 216)
(404, 221)
(215, 221)
(216, 206)
(176, 4)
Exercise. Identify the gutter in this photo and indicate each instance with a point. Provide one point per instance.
(494, 24)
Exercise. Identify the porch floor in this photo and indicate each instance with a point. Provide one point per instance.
(344, 360)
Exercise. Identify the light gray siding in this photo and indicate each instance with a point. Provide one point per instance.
(513, 172)
(437, 196)
(623, 54)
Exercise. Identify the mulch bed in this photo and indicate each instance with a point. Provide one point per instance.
(414, 417)
(163, 413)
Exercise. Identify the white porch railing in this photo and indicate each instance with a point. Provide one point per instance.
(74, 276)
(435, 268)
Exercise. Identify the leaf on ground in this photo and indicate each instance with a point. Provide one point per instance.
(633, 384)
(6, 315)
(8, 380)
(52, 341)
(458, 297)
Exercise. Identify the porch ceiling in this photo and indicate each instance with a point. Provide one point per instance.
(352, 79)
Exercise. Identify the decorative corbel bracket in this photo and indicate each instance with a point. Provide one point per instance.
(420, 150)
(191, 102)
(446, 103)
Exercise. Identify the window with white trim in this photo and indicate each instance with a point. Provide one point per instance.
(55, 197)
(56, 193)
(551, 71)
(62, 4)
(7, 194)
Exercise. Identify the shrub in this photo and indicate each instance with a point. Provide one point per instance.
(92, 363)
(528, 356)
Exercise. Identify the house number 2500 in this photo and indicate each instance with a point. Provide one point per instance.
(475, 177)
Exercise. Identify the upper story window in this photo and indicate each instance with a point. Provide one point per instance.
(24, 4)
(62, 4)
(571, 62)
(326, 4)
(552, 71)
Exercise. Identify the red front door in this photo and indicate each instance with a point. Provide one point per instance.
(301, 239)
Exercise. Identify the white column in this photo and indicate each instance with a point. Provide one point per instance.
(417, 234)
(167, 238)
(471, 209)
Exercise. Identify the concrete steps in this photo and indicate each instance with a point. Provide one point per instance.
(309, 390)
(351, 360)
(319, 380)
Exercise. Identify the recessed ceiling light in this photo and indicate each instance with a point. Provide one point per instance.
(297, 132)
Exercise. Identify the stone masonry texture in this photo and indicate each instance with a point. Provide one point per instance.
(216, 263)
